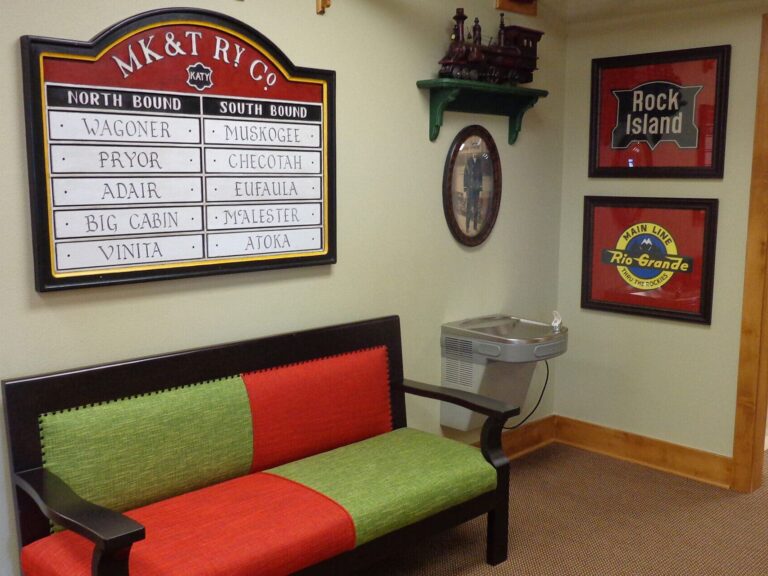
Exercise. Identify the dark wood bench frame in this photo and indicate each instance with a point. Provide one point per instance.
(41, 497)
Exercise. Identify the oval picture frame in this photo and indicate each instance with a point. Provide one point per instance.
(472, 185)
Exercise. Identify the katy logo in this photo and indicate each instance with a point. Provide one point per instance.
(655, 112)
(646, 257)
(199, 76)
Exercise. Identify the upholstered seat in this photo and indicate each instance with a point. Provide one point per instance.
(266, 457)
(256, 524)
(292, 516)
(395, 479)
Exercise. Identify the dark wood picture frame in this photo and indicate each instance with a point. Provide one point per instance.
(650, 256)
(472, 185)
(125, 62)
(660, 115)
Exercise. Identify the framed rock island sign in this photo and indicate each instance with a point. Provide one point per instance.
(176, 143)
(660, 115)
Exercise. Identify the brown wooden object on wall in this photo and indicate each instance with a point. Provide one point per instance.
(520, 6)
(752, 391)
(322, 5)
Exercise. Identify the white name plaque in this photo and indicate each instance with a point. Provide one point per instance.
(128, 252)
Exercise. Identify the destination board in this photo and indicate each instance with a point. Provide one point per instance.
(176, 143)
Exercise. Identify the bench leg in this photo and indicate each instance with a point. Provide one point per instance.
(498, 533)
(113, 563)
(498, 520)
(498, 517)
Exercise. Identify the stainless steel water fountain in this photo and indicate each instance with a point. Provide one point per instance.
(494, 356)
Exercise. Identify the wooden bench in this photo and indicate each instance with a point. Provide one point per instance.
(284, 454)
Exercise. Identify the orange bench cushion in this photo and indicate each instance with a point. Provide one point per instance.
(311, 407)
(256, 524)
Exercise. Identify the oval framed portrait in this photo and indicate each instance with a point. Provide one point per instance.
(472, 185)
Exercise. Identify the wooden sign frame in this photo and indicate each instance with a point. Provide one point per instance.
(660, 115)
(650, 256)
(176, 143)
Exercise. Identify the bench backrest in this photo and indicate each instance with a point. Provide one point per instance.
(123, 435)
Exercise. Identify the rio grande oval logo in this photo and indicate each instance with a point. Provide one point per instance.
(646, 256)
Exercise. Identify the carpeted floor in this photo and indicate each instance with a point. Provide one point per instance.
(577, 513)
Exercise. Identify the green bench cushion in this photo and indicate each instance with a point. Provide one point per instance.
(394, 479)
(130, 452)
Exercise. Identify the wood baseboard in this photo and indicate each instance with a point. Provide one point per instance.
(529, 437)
(675, 459)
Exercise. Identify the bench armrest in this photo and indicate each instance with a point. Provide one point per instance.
(108, 529)
(482, 404)
(497, 411)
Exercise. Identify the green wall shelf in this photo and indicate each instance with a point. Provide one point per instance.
(479, 97)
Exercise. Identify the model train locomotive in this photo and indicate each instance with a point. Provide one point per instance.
(509, 58)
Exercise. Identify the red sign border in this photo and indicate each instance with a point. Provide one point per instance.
(657, 304)
(718, 78)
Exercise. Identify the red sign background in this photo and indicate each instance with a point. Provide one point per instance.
(683, 291)
(239, 68)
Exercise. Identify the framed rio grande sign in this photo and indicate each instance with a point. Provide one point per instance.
(660, 115)
(649, 256)
(176, 143)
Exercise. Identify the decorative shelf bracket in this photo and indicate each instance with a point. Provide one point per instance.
(478, 97)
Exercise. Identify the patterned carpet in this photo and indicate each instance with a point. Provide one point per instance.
(577, 513)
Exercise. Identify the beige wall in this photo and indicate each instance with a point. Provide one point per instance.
(664, 379)
(395, 253)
